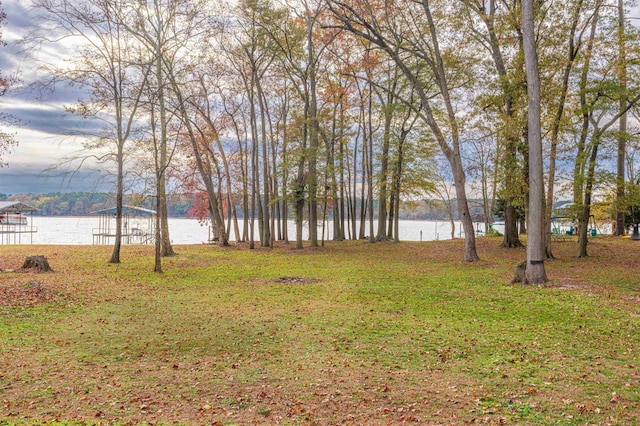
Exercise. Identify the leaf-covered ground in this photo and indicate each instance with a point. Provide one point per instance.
(349, 333)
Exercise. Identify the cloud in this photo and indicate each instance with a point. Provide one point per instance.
(15, 27)
(19, 19)
(45, 131)
(31, 178)
(41, 156)
(50, 118)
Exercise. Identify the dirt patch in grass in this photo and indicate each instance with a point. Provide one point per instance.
(293, 280)
(568, 284)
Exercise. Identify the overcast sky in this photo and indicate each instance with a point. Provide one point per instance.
(44, 131)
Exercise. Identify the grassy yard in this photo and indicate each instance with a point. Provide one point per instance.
(349, 333)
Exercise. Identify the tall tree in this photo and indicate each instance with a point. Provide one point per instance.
(387, 92)
(151, 21)
(574, 45)
(170, 30)
(510, 89)
(597, 138)
(313, 57)
(257, 53)
(622, 128)
(583, 91)
(107, 67)
(380, 24)
(535, 271)
(302, 47)
(600, 107)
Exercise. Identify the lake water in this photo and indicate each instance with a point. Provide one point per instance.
(79, 230)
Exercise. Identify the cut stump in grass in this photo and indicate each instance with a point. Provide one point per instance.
(520, 273)
(37, 263)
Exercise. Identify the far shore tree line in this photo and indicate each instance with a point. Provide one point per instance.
(331, 111)
(187, 206)
(87, 203)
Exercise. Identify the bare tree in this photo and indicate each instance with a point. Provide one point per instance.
(170, 30)
(108, 66)
(400, 33)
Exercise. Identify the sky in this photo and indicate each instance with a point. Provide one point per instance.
(45, 132)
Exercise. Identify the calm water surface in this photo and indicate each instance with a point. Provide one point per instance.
(79, 230)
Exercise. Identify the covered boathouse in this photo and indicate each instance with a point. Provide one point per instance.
(138, 226)
(16, 222)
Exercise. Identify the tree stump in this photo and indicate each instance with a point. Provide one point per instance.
(39, 263)
(519, 273)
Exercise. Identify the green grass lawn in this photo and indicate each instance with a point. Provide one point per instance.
(367, 334)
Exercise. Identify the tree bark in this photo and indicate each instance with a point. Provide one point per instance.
(39, 263)
(535, 271)
(581, 160)
(115, 254)
(384, 164)
(314, 136)
(299, 182)
(573, 49)
(622, 137)
(266, 234)
(167, 248)
(511, 238)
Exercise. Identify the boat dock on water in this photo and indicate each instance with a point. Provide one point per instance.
(14, 222)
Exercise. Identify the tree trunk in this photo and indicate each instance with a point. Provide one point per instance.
(363, 163)
(298, 190)
(511, 239)
(369, 166)
(255, 204)
(167, 247)
(338, 214)
(588, 189)
(352, 193)
(157, 265)
(384, 166)
(470, 253)
(397, 183)
(39, 263)
(285, 174)
(581, 160)
(161, 192)
(115, 255)
(266, 233)
(555, 130)
(314, 136)
(622, 141)
(246, 207)
(340, 179)
(535, 271)
(299, 182)
(243, 235)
